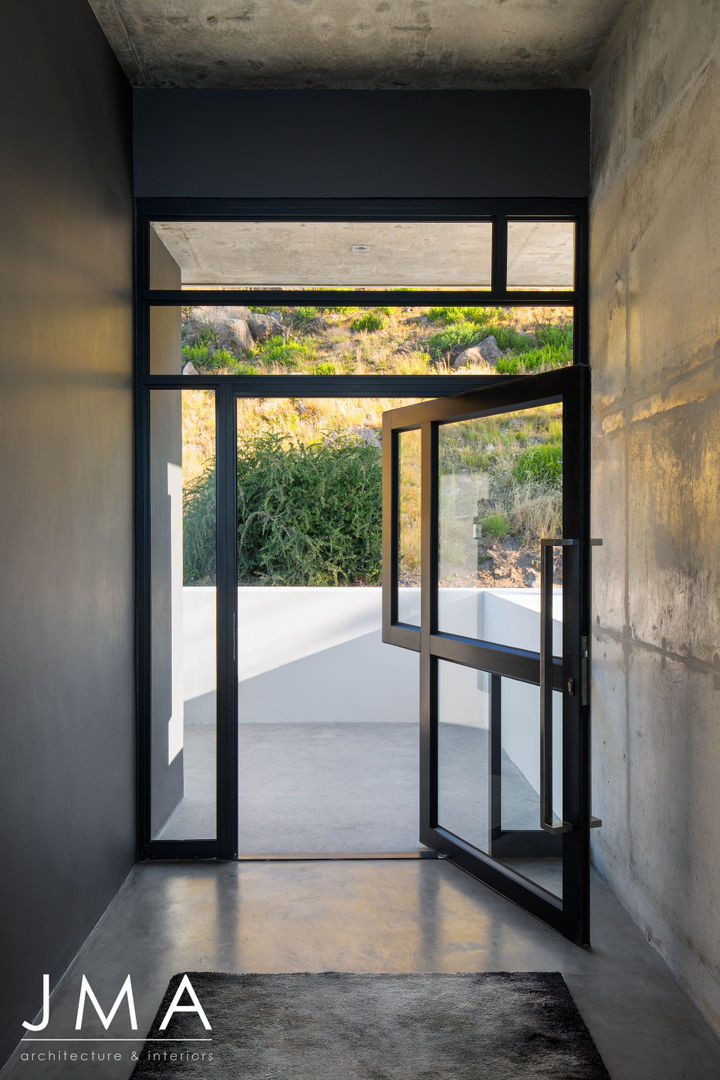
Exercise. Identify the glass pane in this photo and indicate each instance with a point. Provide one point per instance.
(409, 527)
(500, 493)
(327, 713)
(183, 606)
(321, 340)
(517, 810)
(320, 253)
(489, 770)
(463, 752)
(541, 255)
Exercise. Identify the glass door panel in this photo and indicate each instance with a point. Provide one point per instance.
(463, 752)
(489, 770)
(503, 634)
(499, 494)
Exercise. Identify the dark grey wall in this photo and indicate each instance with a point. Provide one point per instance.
(66, 623)
(354, 144)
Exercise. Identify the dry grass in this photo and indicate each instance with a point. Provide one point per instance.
(535, 511)
(198, 419)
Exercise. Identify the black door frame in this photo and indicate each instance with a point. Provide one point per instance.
(567, 674)
(228, 387)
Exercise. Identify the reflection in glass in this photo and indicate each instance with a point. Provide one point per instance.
(500, 493)
(183, 606)
(463, 752)
(409, 527)
(518, 811)
(541, 255)
(489, 770)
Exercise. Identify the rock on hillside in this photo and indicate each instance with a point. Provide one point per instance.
(263, 327)
(230, 324)
(487, 352)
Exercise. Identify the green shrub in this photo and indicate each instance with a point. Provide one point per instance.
(324, 369)
(210, 337)
(241, 368)
(207, 358)
(559, 335)
(542, 359)
(287, 354)
(460, 335)
(481, 316)
(511, 365)
(222, 358)
(441, 314)
(303, 315)
(199, 529)
(307, 514)
(553, 348)
(371, 320)
(199, 355)
(495, 526)
(508, 338)
(540, 464)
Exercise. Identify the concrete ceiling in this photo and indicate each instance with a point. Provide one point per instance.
(540, 254)
(357, 44)
(329, 253)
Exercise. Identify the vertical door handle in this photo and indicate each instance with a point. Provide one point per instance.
(546, 686)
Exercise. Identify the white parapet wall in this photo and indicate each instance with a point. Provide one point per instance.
(315, 655)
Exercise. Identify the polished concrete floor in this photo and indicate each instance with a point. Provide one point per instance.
(313, 788)
(369, 916)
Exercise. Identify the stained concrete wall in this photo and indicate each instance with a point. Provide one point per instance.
(66, 622)
(655, 347)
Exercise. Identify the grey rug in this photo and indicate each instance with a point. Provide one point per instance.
(506, 1026)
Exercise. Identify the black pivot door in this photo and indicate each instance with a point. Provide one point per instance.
(486, 575)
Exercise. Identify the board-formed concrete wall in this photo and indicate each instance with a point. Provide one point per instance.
(655, 351)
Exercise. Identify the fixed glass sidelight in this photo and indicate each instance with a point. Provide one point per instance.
(183, 603)
(502, 632)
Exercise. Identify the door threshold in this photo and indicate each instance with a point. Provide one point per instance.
(339, 856)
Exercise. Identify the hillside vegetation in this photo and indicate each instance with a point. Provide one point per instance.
(392, 341)
(309, 474)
